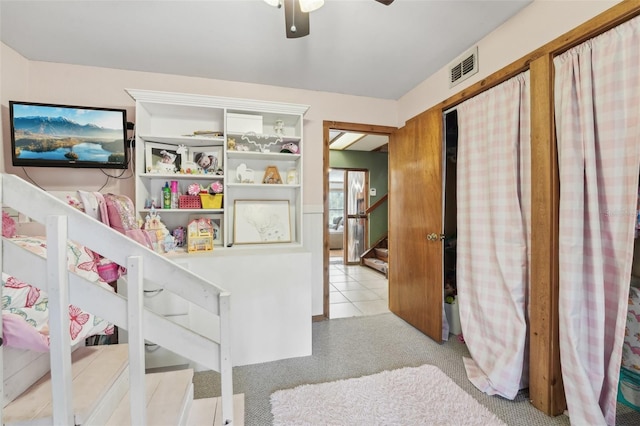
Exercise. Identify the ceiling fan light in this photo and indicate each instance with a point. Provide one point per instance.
(310, 5)
(274, 3)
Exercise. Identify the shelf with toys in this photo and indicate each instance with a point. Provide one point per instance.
(213, 152)
(258, 224)
(273, 163)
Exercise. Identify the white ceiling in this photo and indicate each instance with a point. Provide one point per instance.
(357, 47)
(351, 141)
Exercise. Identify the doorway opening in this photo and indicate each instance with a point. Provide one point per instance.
(355, 218)
(348, 220)
(336, 199)
(450, 221)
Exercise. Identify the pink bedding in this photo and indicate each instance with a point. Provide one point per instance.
(25, 308)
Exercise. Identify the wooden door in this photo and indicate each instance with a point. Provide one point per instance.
(415, 212)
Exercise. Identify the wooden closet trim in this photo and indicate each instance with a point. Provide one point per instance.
(546, 391)
(545, 379)
(358, 127)
(610, 18)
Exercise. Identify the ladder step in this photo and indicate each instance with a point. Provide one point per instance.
(95, 371)
(377, 265)
(203, 410)
(168, 399)
(100, 390)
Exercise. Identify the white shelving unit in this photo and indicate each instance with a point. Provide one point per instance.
(250, 135)
(271, 315)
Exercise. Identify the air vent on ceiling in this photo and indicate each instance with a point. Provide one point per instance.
(464, 67)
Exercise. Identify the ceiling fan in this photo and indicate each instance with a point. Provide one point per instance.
(296, 14)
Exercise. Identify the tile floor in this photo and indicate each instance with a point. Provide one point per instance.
(356, 291)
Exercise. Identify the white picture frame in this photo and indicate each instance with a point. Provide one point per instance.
(261, 222)
(199, 154)
(218, 226)
(162, 158)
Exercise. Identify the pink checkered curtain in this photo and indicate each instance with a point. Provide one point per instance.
(597, 108)
(493, 225)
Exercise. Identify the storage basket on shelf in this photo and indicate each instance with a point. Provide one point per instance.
(189, 202)
(211, 201)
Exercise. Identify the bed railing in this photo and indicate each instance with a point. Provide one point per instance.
(64, 222)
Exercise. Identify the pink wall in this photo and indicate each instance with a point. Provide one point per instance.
(81, 85)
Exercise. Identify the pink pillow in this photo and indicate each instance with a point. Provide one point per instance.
(121, 213)
(17, 333)
(8, 225)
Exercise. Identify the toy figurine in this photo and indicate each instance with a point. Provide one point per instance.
(178, 235)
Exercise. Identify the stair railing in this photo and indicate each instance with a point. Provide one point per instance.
(370, 251)
(377, 204)
(63, 223)
(371, 209)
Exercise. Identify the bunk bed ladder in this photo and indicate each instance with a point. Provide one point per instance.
(64, 223)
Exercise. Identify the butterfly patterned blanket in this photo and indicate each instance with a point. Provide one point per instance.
(25, 310)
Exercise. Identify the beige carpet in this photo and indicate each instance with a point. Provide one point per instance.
(407, 396)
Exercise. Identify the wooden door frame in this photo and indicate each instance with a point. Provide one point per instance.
(347, 127)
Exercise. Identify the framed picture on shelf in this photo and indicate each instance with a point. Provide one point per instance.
(209, 158)
(271, 175)
(217, 223)
(162, 158)
(261, 222)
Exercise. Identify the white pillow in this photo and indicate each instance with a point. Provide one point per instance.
(90, 202)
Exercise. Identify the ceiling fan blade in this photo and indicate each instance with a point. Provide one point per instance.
(385, 2)
(293, 16)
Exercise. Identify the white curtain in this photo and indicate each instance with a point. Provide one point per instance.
(493, 187)
(597, 97)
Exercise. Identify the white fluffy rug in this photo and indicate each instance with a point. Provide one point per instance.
(407, 396)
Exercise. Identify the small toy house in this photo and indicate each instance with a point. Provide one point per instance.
(200, 235)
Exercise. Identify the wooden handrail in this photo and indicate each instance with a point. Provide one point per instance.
(377, 204)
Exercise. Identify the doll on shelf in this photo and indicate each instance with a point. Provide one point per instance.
(163, 241)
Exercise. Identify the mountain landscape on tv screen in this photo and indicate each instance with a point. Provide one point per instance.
(60, 126)
(58, 138)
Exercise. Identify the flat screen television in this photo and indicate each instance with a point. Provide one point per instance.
(50, 135)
